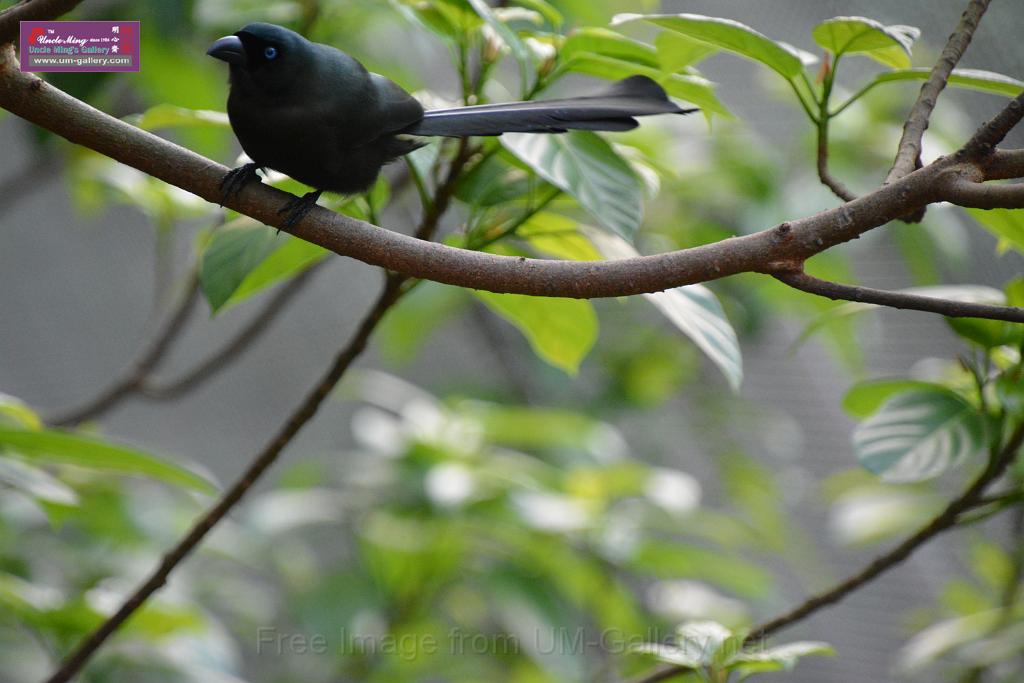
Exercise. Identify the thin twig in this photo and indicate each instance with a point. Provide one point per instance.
(947, 519)
(824, 174)
(993, 131)
(267, 456)
(233, 350)
(944, 521)
(140, 368)
(908, 156)
(901, 300)
(394, 289)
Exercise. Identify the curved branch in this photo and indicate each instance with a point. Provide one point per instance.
(944, 521)
(31, 10)
(903, 300)
(41, 103)
(824, 174)
(908, 156)
(963, 192)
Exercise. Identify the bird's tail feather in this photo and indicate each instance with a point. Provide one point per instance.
(613, 109)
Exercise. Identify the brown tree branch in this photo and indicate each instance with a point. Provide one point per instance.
(963, 192)
(394, 289)
(31, 10)
(902, 300)
(991, 133)
(908, 155)
(946, 520)
(267, 456)
(138, 378)
(765, 251)
(1004, 164)
(824, 174)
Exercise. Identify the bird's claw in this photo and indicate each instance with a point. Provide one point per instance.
(235, 179)
(298, 207)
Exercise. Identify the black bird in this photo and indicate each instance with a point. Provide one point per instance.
(316, 114)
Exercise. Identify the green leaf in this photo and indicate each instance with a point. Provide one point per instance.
(988, 334)
(558, 236)
(678, 560)
(889, 45)
(230, 257)
(287, 260)
(676, 51)
(693, 309)
(492, 182)
(36, 482)
(970, 79)
(607, 43)
(779, 658)
(918, 435)
(1006, 224)
(539, 428)
(670, 654)
(560, 331)
(171, 116)
(702, 638)
(409, 325)
(546, 9)
(14, 410)
(585, 166)
(865, 398)
(727, 35)
(693, 89)
(67, 448)
(940, 638)
(452, 20)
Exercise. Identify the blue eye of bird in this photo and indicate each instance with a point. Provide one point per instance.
(270, 52)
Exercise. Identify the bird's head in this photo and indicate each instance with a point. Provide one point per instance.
(266, 56)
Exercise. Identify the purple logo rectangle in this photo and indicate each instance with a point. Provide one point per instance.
(80, 46)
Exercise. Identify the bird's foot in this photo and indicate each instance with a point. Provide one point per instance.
(236, 179)
(298, 207)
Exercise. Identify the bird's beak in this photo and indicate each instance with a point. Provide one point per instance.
(229, 49)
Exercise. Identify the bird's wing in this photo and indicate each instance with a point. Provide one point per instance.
(397, 108)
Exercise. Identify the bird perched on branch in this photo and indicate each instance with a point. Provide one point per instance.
(316, 114)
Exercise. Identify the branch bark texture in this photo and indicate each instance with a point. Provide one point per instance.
(767, 251)
(908, 155)
(902, 300)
